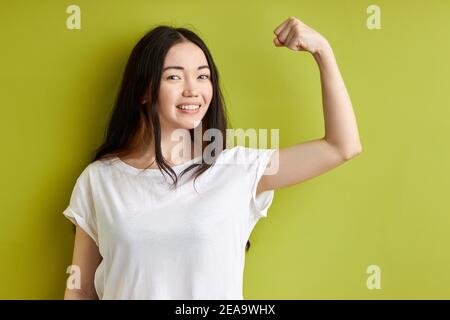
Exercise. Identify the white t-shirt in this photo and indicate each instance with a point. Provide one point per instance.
(162, 243)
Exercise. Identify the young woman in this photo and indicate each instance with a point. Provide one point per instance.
(138, 236)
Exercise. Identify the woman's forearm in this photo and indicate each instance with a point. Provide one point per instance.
(340, 123)
(73, 294)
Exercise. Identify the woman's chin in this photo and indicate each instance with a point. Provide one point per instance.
(189, 123)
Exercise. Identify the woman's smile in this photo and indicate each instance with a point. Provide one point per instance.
(191, 109)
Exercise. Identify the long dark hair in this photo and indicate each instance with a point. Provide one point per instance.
(133, 125)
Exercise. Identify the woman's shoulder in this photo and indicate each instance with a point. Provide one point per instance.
(242, 155)
(92, 168)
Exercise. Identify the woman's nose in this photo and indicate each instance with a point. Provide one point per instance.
(190, 93)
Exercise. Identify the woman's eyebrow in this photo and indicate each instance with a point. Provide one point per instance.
(181, 68)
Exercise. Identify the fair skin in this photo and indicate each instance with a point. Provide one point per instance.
(187, 85)
(87, 257)
(296, 163)
(306, 160)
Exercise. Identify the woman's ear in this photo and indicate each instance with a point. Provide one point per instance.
(144, 99)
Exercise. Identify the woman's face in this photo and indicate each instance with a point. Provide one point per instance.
(188, 83)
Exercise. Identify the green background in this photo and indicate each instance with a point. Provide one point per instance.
(388, 207)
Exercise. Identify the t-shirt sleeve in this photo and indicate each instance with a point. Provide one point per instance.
(81, 210)
(256, 162)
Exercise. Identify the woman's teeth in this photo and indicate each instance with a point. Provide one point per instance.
(188, 107)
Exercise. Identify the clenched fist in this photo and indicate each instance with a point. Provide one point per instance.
(297, 36)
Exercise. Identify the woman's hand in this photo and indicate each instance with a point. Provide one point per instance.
(297, 36)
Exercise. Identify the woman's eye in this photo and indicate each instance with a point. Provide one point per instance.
(203, 75)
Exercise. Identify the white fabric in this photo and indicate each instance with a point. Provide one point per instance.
(162, 243)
